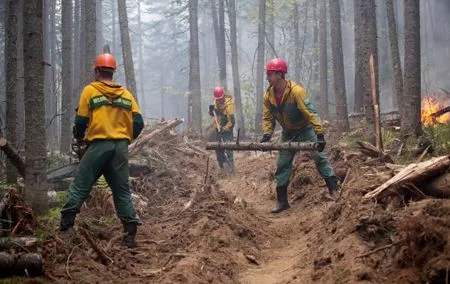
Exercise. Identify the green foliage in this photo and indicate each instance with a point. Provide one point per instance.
(248, 102)
(61, 198)
(440, 135)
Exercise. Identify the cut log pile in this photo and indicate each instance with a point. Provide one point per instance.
(18, 246)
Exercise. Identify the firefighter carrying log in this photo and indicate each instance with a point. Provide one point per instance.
(288, 103)
(223, 112)
(107, 120)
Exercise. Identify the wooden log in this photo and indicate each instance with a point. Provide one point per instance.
(372, 151)
(139, 143)
(376, 107)
(28, 264)
(12, 156)
(254, 146)
(18, 241)
(412, 173)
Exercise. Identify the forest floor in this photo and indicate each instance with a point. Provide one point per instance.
(201, 226)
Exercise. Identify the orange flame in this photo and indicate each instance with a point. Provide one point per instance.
(430, 106)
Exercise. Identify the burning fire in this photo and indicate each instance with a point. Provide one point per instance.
(430, 106)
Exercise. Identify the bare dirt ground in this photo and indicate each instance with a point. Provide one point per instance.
(200, 226)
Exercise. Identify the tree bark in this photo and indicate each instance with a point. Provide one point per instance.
(141, 62)
(315, 69)
(67, 87)
(338, 66)
(99, 40)
(11, 82)
(411, 123)
(260, 66)
(395, 54)
(13, 157)
(297, 61)
(90, 36)
(359, 67)
(270, 31)
(77, 70)
(222, 45)
(235, 67)
(126, 49)
(35, 140)
(323, 60)
(194, 68)
(366, 33)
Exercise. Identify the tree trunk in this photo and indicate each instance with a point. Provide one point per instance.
(66, 53)
(141, 60)
(77, 63)
(126, 48)
(315, 68)
(271, 29)
(366, 33)
(323, 61)
(53, 124)
(219, 34)
(47, 64)
(359, 67)
(222, 45)
(396, 63)
(194, 68)
(411, 124)
(99, 27)
(260, 66)
(113, 24)
(297, 62)
(11, 82)
(235, 67)
(338, 66)
(20, 101)
(89, 32)
(35, 140)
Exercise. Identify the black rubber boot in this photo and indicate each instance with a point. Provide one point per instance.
(333, 186)
(130, 229)
(67, 223)
(282, 200)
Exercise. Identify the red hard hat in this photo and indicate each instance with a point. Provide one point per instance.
(105, 60)
(219, 93)
(277, 64)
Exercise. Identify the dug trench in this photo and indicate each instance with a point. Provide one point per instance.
(200, 226)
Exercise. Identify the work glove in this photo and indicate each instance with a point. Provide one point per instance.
(320, 142)
(266, 138)
(211, 110)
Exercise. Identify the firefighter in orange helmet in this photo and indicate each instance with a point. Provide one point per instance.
(107, 120)
(223, 112)
(288, 103)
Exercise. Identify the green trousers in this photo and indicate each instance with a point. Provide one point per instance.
(222, 155)
(110, 159)
(285, 157)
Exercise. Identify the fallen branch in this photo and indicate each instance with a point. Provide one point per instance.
(254, 146)
(18, 241)
(12, 156)
(412, 173)
(372, 151)
(441, 112)
(380, 249)
(105, 259)
(139, 143)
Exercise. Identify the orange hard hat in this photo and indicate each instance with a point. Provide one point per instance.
(105, 60)
(277, 64)
(219, 93)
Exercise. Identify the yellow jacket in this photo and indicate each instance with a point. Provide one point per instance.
(225, 113)
(294, 113)
(107, 111)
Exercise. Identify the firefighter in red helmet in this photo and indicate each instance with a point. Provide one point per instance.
(223, 112)
(288, 103)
